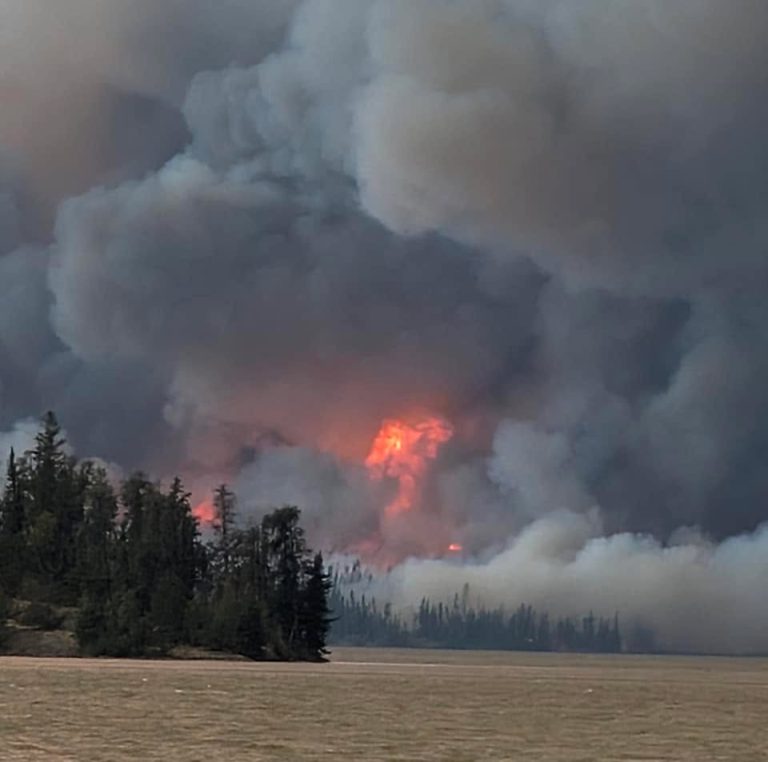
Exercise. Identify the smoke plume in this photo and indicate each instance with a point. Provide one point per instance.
(235, 238)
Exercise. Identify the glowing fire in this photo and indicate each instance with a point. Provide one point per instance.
(205, 513)
(454, 547)
(401, 451)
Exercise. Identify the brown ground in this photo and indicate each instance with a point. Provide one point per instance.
(387, 705)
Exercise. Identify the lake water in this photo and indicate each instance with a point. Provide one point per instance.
(376, 704)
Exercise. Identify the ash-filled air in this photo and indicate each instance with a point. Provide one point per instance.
(239, 239)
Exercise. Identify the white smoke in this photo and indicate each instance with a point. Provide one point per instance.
(693, 597)
(20, 439)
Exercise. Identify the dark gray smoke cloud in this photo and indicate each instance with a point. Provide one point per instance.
(239, 236)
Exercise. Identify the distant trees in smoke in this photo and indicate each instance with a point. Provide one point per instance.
(360, 620)
(132, 565)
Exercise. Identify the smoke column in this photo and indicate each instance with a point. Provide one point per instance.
(236, 238)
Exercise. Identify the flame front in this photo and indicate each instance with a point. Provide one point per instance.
(401, 451)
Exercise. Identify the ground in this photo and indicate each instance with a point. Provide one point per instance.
(370, 704)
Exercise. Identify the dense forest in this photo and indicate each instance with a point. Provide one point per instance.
(360, 620)
(131, 565)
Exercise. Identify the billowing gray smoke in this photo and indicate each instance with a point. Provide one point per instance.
(235, 237)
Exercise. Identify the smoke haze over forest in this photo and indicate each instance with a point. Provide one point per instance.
(236, 237)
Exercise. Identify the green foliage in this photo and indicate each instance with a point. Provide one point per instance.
(126, 632)
(261, 597)
(134, 564)
(285, 550)
(92, 626)
(40, 616)
(13, 509)
(223, 525)
(236, 624)
(315, 612)
(42, 509)
(167, 612)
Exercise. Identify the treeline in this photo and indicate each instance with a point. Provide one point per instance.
(359, 620)
(132, 563)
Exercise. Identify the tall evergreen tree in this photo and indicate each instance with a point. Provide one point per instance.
(12, 527)
(285, 546)
(96, 563)
(54, 514)
(224, 507)
(315, 613)
(96, 536)
(140, 538)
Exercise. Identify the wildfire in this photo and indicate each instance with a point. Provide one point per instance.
(204, 512)
(454, 547)
(401, 451)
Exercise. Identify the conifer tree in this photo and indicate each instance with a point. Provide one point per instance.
(136, 569)
(54, 514)
(315, 613)
(180, 538)
(140, 538)
(96, 537)
(285, 545)
(96, 563)
(224, 507)
(12, 526)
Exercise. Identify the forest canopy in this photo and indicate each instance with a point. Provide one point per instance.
(131, 562)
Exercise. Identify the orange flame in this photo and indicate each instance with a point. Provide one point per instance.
(454, 547)
(401, 451)
(205, 513)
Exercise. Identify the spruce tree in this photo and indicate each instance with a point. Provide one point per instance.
(96, 536)
(136, 569)
(140, 537)
(285, 546)
(224, 507)
(315, 613)
(250, 640)
(12, 528)
(180, 538)
(55, 513)
(96, 561)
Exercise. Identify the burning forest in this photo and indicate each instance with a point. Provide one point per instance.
(479, 287)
